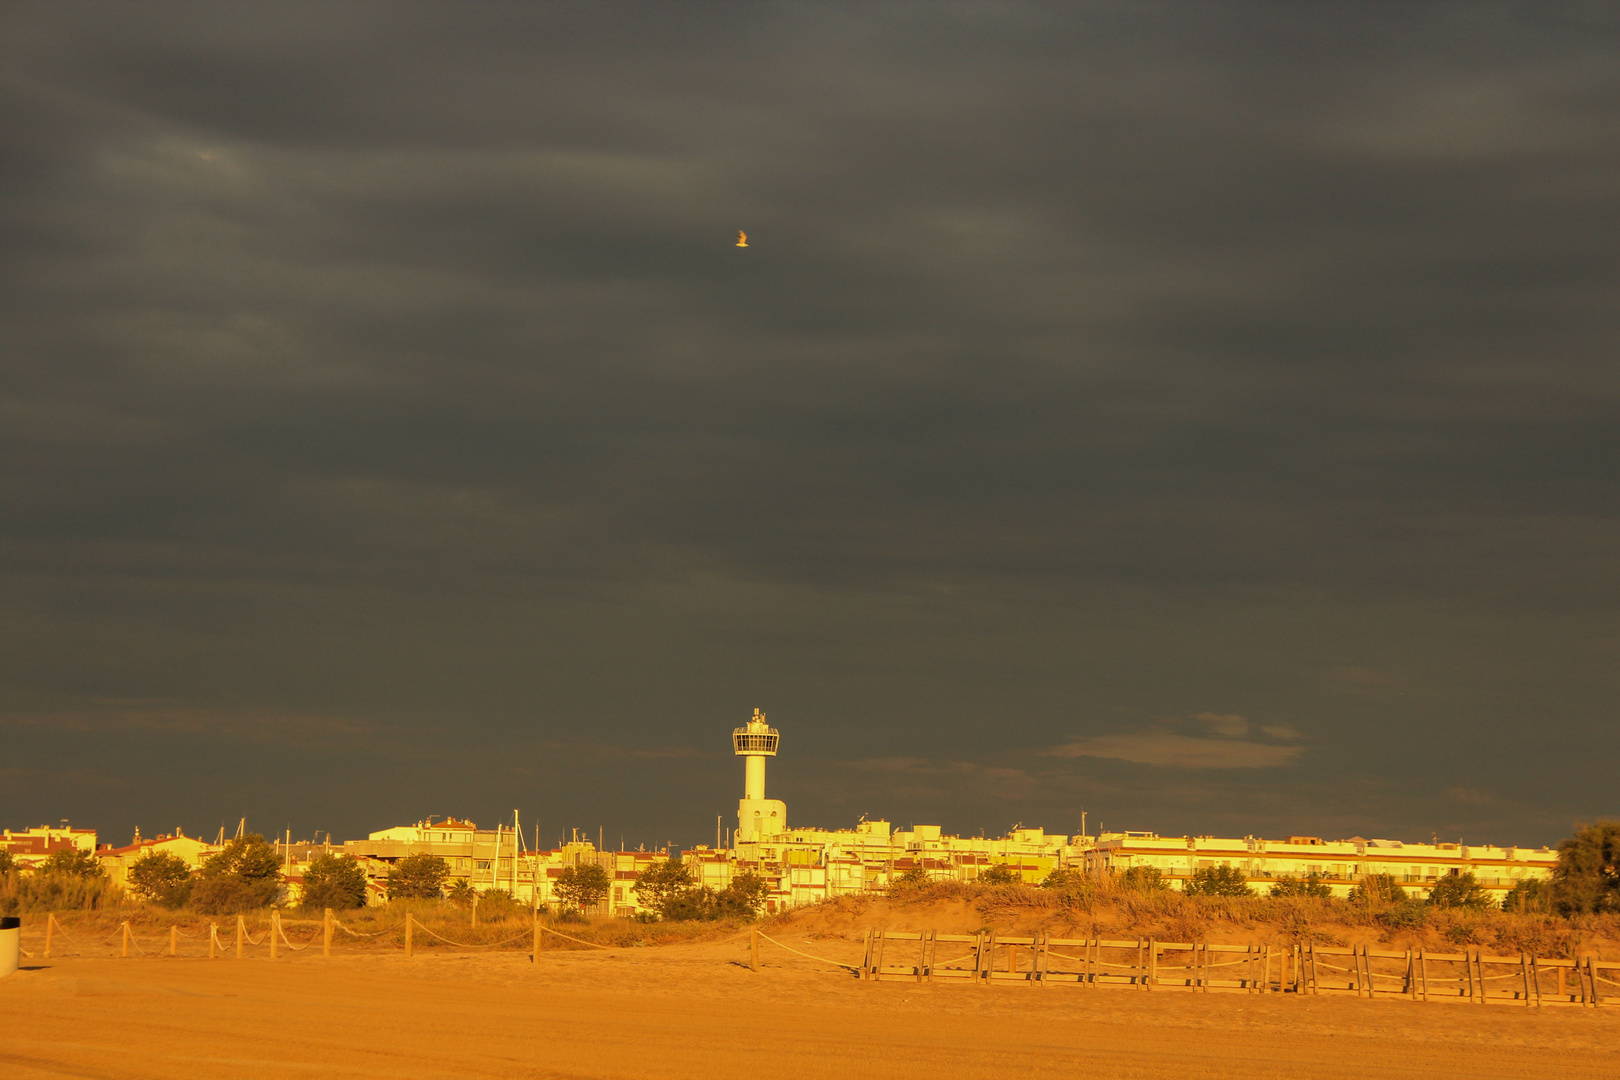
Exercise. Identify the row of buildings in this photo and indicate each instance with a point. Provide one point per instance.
(803, 866)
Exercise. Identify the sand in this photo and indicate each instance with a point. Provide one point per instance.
(697, 1011)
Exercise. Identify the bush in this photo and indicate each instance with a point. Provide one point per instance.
(461, 894)
(582, 886)
(1405, 915)
(418, 877)
(244, 876)
(1310, 886)
(1587, 878)
(71, 862)
(1376, 889)
(1218, 881)
(160, 878)
(1143, 879)
(8, 862)
(498, 904)
(1000, 874)
(1459, 891)
(334, 881)
(1529, 896)
(37, 892)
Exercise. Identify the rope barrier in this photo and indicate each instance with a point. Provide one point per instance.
(568, 937)
(361, 933)
(807, 956)
(466, 945)
(296, 948)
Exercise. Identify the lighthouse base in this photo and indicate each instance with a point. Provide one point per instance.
(760, 819)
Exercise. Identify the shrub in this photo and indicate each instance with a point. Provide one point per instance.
(582, 886)
(71, 862)
(1405, 915)
(1587, 877)
(8, 862)
(498, 904)
(1376, 889)
(24, 893)
(1531, 895)
(1218, 881)
(461, 894)
(1306, 886)
(1143, 879)
(1459, 891)
(1000, 874)
(160, 878)
(334, 881)
(418, 877)
(244, 876)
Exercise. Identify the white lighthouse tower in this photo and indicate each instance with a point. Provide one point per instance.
(758, 818)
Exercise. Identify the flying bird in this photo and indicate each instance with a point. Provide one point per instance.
(742, 238)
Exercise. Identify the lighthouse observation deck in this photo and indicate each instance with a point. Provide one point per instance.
(756, 737)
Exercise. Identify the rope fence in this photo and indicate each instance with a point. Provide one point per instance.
(1037, 960)
(1308, 969)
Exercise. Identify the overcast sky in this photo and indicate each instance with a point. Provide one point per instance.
(1206, 417)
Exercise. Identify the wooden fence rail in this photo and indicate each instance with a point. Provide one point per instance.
(1147, 964)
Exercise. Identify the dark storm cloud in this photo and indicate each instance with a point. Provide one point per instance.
(387, 417)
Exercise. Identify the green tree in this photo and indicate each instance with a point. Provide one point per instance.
(7, 862)
(1459, 891)
(1218, 881)
(418, 877)
(461, 894)
(696, 903)
(582, 886)
(1143, 879)
(1529, 896)
(160, 878)
(1000, 874)
(1587, 877)
(745, 897)
(1376, 890)
(1305, 886)
(661, 884)
(71, 862)
(334, 881)
(244, 876)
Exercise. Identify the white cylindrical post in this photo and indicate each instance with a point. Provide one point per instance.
(753, 778)
(10, 944)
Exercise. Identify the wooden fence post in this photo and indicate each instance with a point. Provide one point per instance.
(929, 951)
(1527, 976)
(50, 931)
(275, 928)
(1153, 963)
(326, 933)
(1139, 976)
(241, 931)
(124, 933)
(213, 940)
(408, 922)
(174, 941)
(877, 953)
(1423, 972)
(866, 955)
(753, 950)
(539, 938)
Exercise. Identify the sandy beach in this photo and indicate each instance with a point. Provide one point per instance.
(697, 1011)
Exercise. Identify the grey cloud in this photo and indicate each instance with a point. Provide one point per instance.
(395, 369)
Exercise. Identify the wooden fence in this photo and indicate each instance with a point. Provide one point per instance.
(1146, 964)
